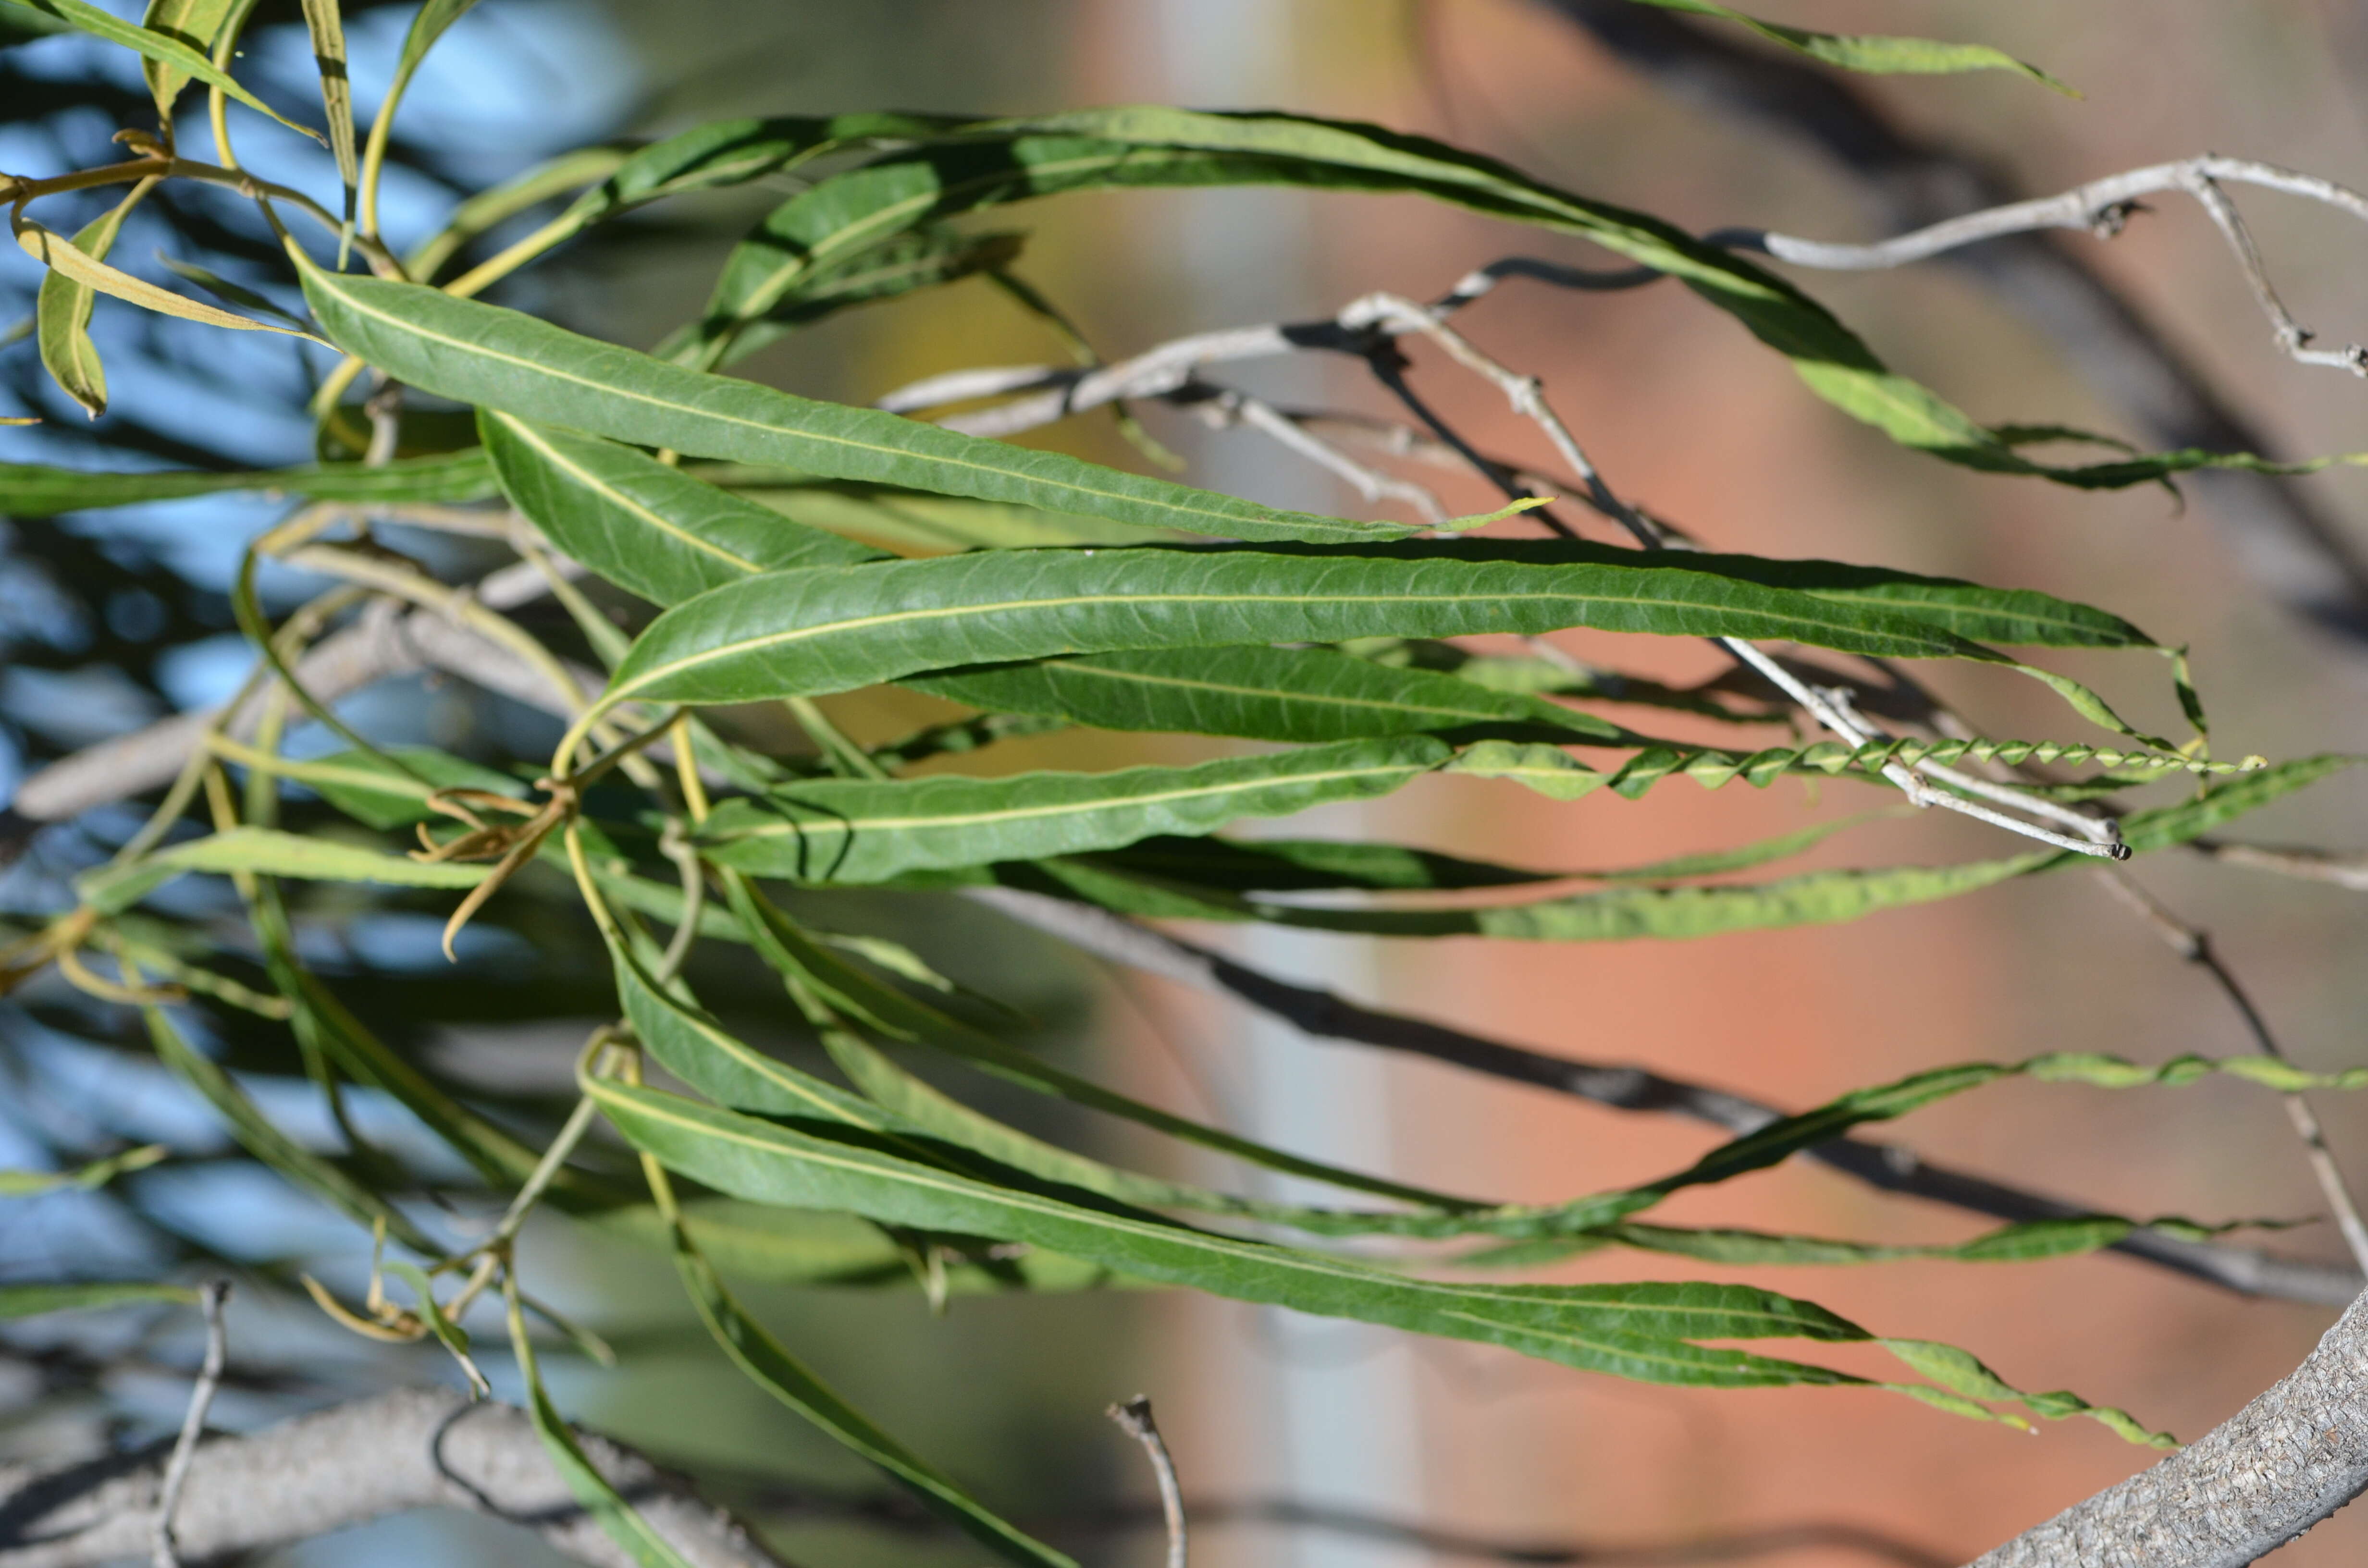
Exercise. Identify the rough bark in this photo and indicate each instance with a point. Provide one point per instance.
(387, 1454)
(2259, 1480)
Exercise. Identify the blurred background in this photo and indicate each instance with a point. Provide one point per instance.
(114, 618)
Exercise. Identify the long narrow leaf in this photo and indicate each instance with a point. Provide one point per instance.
(1647, 1332)
(617, 1518)
(763, 1360)
(327, 27)
(643, 525)
(834, 628)
(496, 359)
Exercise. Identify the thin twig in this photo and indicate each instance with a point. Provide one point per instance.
(2101, 207)
(1135, 1419)
(1227, 406)
(211, 1297)
(2348, 872)
(2195, 947)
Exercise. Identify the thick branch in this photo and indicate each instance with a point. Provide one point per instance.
(2295, 550)
(387, 1454)
(1889, 1167)
(2255, 1481)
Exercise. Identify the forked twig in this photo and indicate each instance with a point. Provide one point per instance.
(2101, 207)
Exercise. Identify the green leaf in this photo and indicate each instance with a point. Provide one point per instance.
(733, 152)
(1313, 865)
(327, 30)
(992, 163)
(868, 831)
(1533, 675)
(1642, 1331)
(1872, 52)
(31, 1300)
(1558, 775)
(646, 527)
(23, 25)
(426, 27)
(167, 50)
(194, 23)
(30, 490)
(2028, 1241)
(496, 359)
(659, 533)
(617, 1517)
(496, 204)
(843, 989)
(924, 259)
(763, 1360)
(1262, 693)
(89, 1178)
(259, 1136)
(61, 312)
(1654, 909)
(2224, 802)
(834, 628)
(272, 853)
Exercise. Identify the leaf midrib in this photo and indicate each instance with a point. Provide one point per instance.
(1347, 527)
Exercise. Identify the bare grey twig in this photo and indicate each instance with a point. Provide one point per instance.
(2347, 871)
(1134, 1417)
(212, 1295)
(2195, 947)
(2101, 207)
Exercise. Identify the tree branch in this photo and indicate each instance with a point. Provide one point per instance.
(388, 1454)
(2295, 550)
(2259, 1479)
